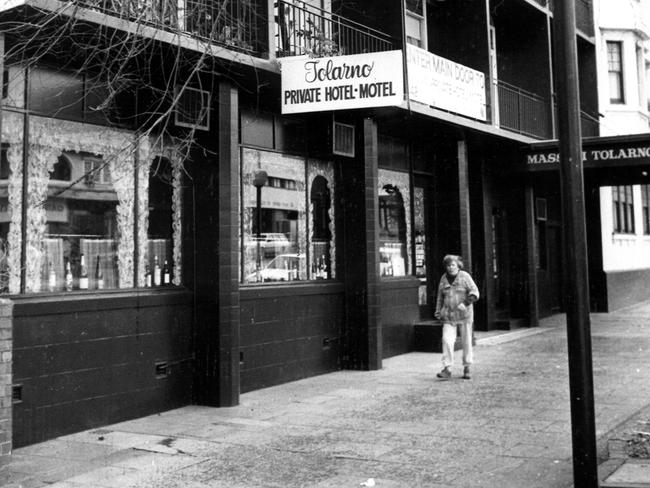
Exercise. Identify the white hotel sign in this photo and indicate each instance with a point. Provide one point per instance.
(443, 84)
(342, 82)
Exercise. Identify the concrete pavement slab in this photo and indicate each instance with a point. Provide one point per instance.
(507, 427)
(631, 474)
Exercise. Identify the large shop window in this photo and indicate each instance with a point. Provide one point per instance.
(83, 208)
(394, 223)
(288, 219)
(79, 249)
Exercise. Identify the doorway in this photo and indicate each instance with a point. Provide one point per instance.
(422, 236)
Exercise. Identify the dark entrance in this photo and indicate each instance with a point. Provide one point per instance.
(422, 241)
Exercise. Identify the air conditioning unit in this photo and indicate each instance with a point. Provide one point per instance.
(192, 108)
(343, 139)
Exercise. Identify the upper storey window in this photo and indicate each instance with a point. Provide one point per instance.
(415, 23)
(615, 69)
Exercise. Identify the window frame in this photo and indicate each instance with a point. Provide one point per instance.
(615, 71)
(623, 209)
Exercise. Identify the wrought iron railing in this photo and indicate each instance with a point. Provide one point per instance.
(236, 24)
(304, 29)
(523, 112)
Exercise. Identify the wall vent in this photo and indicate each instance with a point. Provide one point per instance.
(192, 108)
(162, 370)
(17, 393)
(343, 140)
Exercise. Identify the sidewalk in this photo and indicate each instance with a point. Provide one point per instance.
(508, 427)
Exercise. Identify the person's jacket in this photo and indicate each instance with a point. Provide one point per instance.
(450, 295)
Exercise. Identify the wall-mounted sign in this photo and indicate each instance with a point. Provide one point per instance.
(614, 155)
(342, 82)
(441, 83)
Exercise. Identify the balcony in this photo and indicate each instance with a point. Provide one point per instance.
(528, 114)
(302, 29)
(238, 25)
(523, 112)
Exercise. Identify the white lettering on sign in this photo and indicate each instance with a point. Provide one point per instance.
(441, 83)
(342, 82)
(592, 156)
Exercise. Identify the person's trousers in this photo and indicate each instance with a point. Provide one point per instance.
(449, 333)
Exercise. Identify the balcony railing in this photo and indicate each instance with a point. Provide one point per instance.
(236, 24)
(304, 29)
(523, 112)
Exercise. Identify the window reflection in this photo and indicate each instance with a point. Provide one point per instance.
(274, 231)
(79, 249)
(321, 233)
(392, 232)
(158, 259)
(291, 236)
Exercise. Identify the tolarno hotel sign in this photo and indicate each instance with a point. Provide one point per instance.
(342, 82)
(377, 80)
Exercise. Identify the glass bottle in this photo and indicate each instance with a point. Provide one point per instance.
(99, 275)
(147, 275)
(68, 276)
(156, 272)
(165, 274)
(83, 274)
(51, 282)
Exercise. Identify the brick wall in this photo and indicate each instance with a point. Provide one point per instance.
(6, 308)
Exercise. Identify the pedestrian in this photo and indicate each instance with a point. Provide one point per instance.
(456, 294)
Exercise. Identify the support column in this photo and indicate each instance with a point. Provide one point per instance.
(362, 338)
(532, 258)
(228, 245)
(371, 178)
(463, 205)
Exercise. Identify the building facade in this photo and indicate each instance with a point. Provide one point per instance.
(622, 53)
(206, 198)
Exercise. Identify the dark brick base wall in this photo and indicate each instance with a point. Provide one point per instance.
(625, 288)
(83, 362)
(5, 379)
(289, 332)
(399, 311)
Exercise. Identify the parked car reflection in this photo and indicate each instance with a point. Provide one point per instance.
(285, 267)
(271, 243)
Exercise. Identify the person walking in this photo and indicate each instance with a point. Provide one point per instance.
(456, 294)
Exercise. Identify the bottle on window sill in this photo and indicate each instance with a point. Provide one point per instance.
(99, 275)
(147, 276)
(165, 274)
(156, 272)
(83, 274)
(68, 276)
(51, 282)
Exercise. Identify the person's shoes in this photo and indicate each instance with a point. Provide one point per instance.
(445, 374)
(466, 375)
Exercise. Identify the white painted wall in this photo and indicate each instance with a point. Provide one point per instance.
(626, 21)
(623, 252)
